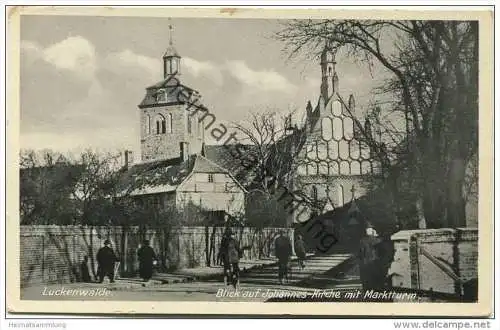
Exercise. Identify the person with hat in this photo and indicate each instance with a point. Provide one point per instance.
(147, 259)
(283, 251)
(300, 251)
(369, 258)
(106, 259)
(230, 253)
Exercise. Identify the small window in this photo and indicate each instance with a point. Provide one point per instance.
(169, 123)
(148, 124)
(189, 124)
(210, 178)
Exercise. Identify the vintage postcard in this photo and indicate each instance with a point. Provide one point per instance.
(250, 161)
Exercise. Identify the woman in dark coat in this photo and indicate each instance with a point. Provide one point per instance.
(147, 257)
(230, 253)
(369, 259)
(300, 251)
(84, 270)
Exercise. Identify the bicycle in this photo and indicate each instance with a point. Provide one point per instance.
(232, 272)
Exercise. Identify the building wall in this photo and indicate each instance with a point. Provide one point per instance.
(456, 248)
(221, 194)
(52, 254)
(166, 146)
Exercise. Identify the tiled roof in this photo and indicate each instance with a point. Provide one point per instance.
(165, 175)
(204, 165)
(154, 177)
(228, 158)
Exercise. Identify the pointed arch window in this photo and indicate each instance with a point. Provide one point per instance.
(160, 123)
(314, 193)
(340, 195)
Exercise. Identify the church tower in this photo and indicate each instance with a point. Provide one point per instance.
(171, 60)
(170, 125)
(329, 78)
(333, 162)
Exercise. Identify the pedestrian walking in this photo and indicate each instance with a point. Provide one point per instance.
(300, 251)
(369, 260)
(106, 259)
(147, 259)
(230, 253)
(84, 270)
(283, 250)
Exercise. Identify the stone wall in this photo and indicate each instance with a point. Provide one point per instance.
(427, 259)
(52, 254)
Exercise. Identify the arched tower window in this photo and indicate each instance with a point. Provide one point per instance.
(161, 124)
(148, 124)
(169, 123)
(189, 124)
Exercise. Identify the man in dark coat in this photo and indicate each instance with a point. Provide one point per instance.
(147, 258)
(300, 251)
(106, 259)
(84, 270)
(230, 253)
(283, 250)
(369, 260)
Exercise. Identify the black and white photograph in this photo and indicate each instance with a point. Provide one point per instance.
(182, 157)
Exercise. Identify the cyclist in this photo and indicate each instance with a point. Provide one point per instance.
(230, 249)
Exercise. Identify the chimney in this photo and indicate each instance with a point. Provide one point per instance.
(184, 151)
(128, 158)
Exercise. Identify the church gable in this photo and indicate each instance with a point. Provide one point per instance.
(331, 147)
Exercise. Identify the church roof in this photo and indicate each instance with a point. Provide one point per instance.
(227, 156)
(171, 52)
(173, 91)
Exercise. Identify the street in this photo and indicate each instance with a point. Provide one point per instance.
(257, 285)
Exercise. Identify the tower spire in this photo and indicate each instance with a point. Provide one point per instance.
(171, 59)
(170, 33)
(329, 78)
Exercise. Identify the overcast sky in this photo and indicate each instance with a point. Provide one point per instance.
(82, 77)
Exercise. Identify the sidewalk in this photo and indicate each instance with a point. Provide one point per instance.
(184, 275)
(160, 279)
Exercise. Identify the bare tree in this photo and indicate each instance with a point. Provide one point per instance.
(274, 144)
(434, 67)
(46, 181)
